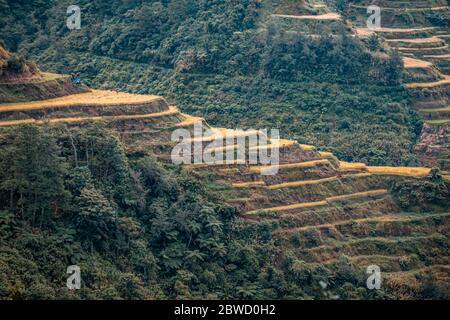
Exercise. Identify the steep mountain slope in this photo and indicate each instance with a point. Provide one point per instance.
(419, 30)
(318, 219)
(321, 212)
(198, 54)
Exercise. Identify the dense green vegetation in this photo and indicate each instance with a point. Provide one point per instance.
(70, 196)
(333, 91)
(140, 229)
(199, 37)
(137, 229)
(422, 195)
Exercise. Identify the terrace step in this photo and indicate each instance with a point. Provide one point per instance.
(347, 166)
(91, 98)
(400, 171)
(171, 111)
(367, 32)
(416, 63)
(399, 9)
(432, 39)
(189, 120)
(296, 183)
(324, 202)
(413, 50)
(403, 4)
(438, 122)
(293, 165)
(444, 267)
(442, 82)
(435, 113)
(437, 244)
(393, 265)
(322, 215)
(386, 226)
(438, 56)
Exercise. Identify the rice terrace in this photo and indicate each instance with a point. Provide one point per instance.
(358, 179)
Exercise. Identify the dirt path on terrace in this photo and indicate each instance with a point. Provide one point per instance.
(326, 16)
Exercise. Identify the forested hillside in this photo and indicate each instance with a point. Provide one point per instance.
(137, 230)
(141, 231)
(198, 53)
(86, 176)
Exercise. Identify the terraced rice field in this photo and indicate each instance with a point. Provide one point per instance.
(355, 215)
(423, 42)
(416, 63)
(320, 208)
(301, 183)
(171, 111)
(438, 122)
(326, 201)
(290, 207)
(368, 32)
(444, 109)
(305, 164)
(422, 49)
(351, 165)
(223, 133)
(248, 184)
(189, 120)
(307, 147)
(431, 39)
(42, 77)
(92, 98)
(406, 9)
(407, 245)
(402, 171)
(388, 225)
(275, 143)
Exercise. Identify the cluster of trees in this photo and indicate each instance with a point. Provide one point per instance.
(201, 37)
(330, 58)
(423, 195)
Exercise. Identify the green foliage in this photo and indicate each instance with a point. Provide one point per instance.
(336, 92)
(422, 195)
(175, 241)
(62, 194)
(32, 174)
(141, 230)
(95, 217)
(374, 42)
